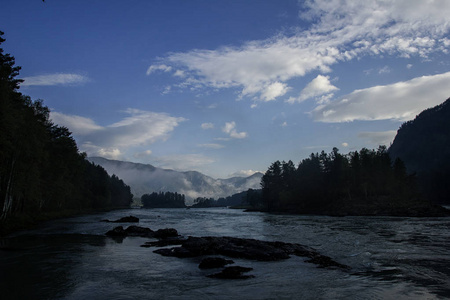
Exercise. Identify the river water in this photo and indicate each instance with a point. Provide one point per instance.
(390, 258)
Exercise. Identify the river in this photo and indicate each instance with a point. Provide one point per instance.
(390, 258)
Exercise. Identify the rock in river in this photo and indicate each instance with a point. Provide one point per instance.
(247, 249)
(129, 219)
(214, 262)
(234, 272)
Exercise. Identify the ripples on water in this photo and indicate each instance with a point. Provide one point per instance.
(391, 258)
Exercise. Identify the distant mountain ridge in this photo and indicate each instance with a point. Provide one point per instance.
(145, 179)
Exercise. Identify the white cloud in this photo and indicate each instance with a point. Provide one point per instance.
(183, 162)
(138, 128)
(162, 67)
(384, 70)
(409, 66)
(399, 101)
(379, 138)
(207, 125)
(273, 91)
(342, 30)
(111, 153)
(141, 127)
(54, 79)
(77, 125)
(178, 73)
(344, 144)
(106, 152)
(230, 128)
(212, 146)
(144, 154)
(317, 87)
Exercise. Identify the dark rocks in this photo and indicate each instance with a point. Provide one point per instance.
(323, 261)
(139, 231)
(117, 231)
(234, 272)
(247, 249)
(129, 219)
(166, 233)
(170, 241)
(134, 230)
(179, 252)
(214, 262)
(131, 231)
(232, 247)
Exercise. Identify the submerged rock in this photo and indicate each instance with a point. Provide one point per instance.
(234, 272)
(214, 262)
(117, 231)
(166, 233)
(170, 241)
(133, 230)
(129, 219)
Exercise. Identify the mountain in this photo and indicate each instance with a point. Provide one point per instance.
(423, 144)
(145, 179)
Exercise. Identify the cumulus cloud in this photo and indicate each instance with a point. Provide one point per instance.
(54, 79)
(341, 31)
(138, 128)
(207, 125)
(319, 86)
(400, 101)
(379, 138)
(273, 91)
(230, 129)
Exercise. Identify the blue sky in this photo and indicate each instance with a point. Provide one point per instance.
(228, 87)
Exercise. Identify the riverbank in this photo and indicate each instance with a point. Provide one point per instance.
(26, 221)
(373, 208)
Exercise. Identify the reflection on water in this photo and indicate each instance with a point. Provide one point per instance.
(401, 258)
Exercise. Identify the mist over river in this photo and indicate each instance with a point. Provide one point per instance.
(390, 258)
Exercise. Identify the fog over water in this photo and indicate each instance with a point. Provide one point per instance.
(390, 258)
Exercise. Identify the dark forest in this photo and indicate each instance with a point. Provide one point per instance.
(42, 171)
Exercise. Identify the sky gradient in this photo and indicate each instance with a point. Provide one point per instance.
(228, 87)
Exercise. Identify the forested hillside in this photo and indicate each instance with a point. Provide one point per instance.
(359, 183)
(424, 145)
(41, 169)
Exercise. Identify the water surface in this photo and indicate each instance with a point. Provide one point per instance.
(390, 258)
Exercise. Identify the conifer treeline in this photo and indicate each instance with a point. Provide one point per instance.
(163, 200)
(41, 169)
(357, 183)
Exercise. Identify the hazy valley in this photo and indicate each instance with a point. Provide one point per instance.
(145, 179)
